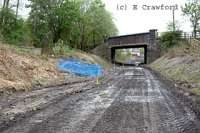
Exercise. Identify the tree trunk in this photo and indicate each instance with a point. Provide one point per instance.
(7, 3)
(94, 41)
(17, 8)
(47, 43)
(4, 3)
(195, 31)
(56, 36)
(82, 37)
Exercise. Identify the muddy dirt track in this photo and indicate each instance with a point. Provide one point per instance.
(132, 100)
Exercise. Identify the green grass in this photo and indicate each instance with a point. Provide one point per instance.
(196, 91)
(19, 50)
(16, 49)
(180, 65)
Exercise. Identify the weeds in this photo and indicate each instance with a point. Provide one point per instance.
(196, 91)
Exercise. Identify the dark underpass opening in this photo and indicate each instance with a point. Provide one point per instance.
(129, 55)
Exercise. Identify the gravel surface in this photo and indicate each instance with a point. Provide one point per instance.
(130, 100)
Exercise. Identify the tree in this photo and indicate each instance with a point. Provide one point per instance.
(192, 9)
(12, 29)
(81, 24)
(95, 24)
(54, 16)
(6, 3)
(5, 8)
(103, 18)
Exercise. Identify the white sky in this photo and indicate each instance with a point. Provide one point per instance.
(131, 21)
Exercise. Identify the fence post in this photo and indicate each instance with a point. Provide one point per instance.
(98, 74)
(185, 35)
(114, 67)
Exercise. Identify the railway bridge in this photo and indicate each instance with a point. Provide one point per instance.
(148, 41)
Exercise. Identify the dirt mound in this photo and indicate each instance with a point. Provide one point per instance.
(22, 71)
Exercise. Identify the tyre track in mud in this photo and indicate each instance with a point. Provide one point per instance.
(145, 106)
(59, 106)
(20, 96)
(52, 96)
(131, 100)
(47, 98)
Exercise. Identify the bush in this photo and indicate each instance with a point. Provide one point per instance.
(170, 39)
(61, 48)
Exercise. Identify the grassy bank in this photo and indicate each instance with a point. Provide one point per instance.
(181, 64)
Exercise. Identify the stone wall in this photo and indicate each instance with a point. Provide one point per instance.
(103, 51)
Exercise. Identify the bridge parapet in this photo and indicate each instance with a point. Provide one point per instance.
(134, 39)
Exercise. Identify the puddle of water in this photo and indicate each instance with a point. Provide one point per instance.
(138, 68)
(142, 99)
(134, 78)
(135, 72)
(129, 73)
(110, 87)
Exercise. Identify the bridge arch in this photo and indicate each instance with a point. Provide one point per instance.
(113, 51)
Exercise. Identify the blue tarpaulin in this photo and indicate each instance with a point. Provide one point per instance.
(79, 67)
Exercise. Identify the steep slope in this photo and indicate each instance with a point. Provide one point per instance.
(182, 64)
(23, 71)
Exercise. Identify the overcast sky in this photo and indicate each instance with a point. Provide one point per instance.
(135, 21)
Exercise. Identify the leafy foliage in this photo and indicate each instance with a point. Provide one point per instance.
(12, 29)
(192, 10)
(81, 24)
(61, 48)
(49, 19)
(170, 39)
